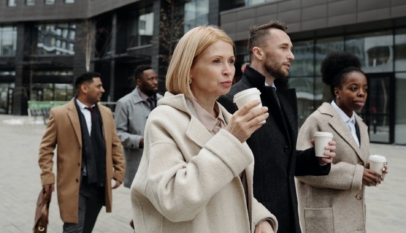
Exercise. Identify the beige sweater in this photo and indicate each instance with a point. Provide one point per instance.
(188, 179)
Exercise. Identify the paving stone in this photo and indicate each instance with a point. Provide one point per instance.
(20, 185)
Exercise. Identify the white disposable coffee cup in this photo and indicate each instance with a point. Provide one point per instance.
(246, 96)
(321, 140)
(376, 163)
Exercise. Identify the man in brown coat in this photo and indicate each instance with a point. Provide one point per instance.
(89, 155)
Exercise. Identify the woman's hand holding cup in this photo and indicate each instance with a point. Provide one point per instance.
(247, 120)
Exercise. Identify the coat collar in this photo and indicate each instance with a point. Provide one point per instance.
(74, 119)
(75, 122)
(337, 123)
(182, 104)
(257, 80)
(136, 98)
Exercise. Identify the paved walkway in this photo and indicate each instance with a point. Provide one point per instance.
(20, 185)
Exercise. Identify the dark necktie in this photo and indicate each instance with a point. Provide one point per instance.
(151, 103)
(91, 109)
(275, 95)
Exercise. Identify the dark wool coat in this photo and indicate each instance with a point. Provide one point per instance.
(277, 161)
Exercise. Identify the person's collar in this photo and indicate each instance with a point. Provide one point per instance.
(205, 117)
(82, 105)
(258, 80)
(143, 95)
(273, 85)
(342, 114)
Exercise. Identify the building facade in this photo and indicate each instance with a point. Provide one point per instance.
(44, 44)
(373, 30)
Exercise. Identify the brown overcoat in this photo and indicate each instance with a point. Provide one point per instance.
(334, 203)
(63, 131)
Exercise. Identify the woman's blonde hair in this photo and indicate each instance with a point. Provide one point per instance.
(190, 46)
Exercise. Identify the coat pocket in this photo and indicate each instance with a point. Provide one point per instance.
(319, 220)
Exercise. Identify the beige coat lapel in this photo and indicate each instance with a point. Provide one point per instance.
(342, 129)
(74, 119)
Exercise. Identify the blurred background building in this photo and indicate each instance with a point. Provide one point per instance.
(44, 44)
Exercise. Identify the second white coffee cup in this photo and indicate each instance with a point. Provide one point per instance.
(376, 163)
(321, 140)
(246, 96)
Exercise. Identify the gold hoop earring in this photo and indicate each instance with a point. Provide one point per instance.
(338, 97)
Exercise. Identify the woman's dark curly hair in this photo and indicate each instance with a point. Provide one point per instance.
(335, 68)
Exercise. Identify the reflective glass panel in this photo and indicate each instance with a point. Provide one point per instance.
(52, 39)
(305, 95)
(12, 3)
(400, 122)
(141, 27)
(325, 47)
(303, 63)
(49, 2)
(8, 41)
(69, 1)
(400, 48)
(375, 50)
(30, 2)
(196, 14)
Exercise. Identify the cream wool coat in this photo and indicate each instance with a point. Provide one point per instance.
(188, 180)
(334, 203)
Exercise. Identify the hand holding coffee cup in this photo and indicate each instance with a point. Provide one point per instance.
(246, 96)
(324, 147)
(247, 120)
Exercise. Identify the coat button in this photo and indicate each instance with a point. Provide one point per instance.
(78, 164)
(77, 180)
(286, 148)
(359, 196)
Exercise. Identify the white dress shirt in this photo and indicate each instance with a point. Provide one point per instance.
(350, 121)
(86, 113)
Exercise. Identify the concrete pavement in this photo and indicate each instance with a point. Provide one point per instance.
(20, 185)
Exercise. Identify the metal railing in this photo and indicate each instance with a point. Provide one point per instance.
(42, 108)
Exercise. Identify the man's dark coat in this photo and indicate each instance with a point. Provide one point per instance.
(274, 146)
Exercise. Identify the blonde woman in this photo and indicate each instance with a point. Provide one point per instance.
(196, 171)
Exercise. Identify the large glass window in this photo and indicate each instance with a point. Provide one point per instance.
(11, 3)
(8, 41)
(326, 46)
(303, 63)
(305, 96)
(400, 122)
(69, 1)
(6, 91)
(375, 50)
(240, 3)
(51, 92)
(196, 13)
(400, 48)
(56, 39)
(30, 2)
(141, 27)
(49, 2)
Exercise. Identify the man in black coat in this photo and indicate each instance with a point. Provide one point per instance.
(274, 145)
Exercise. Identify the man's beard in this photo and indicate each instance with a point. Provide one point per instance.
(150, 92)
(272, 68)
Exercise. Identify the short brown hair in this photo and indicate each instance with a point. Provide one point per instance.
(188, 49)
(260, 34)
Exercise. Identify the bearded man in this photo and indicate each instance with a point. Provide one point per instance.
(274, 145)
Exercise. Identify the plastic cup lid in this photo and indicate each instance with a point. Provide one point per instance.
(377, 158)
(322, 134)
(246, 92)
